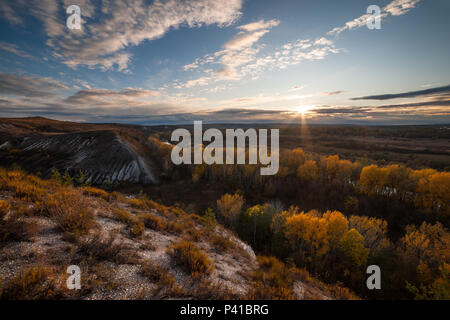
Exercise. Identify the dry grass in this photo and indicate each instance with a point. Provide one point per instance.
(166, 285)
(221, 243)
(31, 284)
(207, 289)
(97, 248)
(95, 192)
(261, 291)
(13, 226)
(123, 215)
(174, 227)
(137, 229)
(71, 212)
(151, 221)
(192, 259)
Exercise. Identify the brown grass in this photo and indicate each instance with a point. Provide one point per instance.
(31, 284)
(151, 221)
(13, 226)
(95, 192)
(192, 259)
(166, 283)
(98, 248)
(70, 210)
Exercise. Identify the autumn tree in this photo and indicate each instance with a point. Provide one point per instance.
(308, 171)
(229, 208)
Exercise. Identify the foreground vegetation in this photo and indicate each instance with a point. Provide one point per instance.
(129, 247)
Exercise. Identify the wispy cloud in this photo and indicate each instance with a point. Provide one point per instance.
(332, 93)
(14, 49)
(117, 25)
(395, 8)
(13, 84)
(241, 57)
(409, 94)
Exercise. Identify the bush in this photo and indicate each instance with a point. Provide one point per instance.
(123, 216)
(174, 227)
(70, 211)
(137, 229)
(33, 283)
(166, 283)
(4, 208)
(192, 259)
(95, 192)
(106, 249)
(260, 291)
(151, 221)
(209, 219)
(272, 281)
(221, 243)
(14, 228)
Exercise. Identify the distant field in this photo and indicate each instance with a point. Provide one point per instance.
(414, 146)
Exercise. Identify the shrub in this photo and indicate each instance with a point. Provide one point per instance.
(209, 219)
(208, 289)
(32, 283)
(166, 283)
(14, 228)
(273, 272)
(152, 221)
(95, 192)
(192, 259)
(272, 281)
(123, 216)
(106, 249)
(174, 227)
(70, 211)
(137, 229)
(260, 291)
(4, 208)
(138, 204)
(118, 197)
(221, 243)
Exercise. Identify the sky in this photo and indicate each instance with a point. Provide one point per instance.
(176, 61)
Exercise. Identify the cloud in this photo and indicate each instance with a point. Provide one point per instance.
(434, 103)
(14, 49)
(12, 84)
(395, 8)
(409, 94)
(339, 110)
(332, 93)
(296, 88)
(261, 24)
(237, 52)
(243, 40)
(400, 7)
(8, 11)
(323, 42)
(240, 58)
(107, 97)
(114, 26)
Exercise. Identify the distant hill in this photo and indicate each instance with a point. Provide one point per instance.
(105, 153)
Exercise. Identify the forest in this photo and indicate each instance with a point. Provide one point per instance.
(335, 217)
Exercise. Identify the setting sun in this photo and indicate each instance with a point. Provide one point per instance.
(303, 109)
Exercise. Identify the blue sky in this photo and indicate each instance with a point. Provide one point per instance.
(226, 61)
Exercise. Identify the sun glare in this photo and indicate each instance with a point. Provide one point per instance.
(302, 109)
